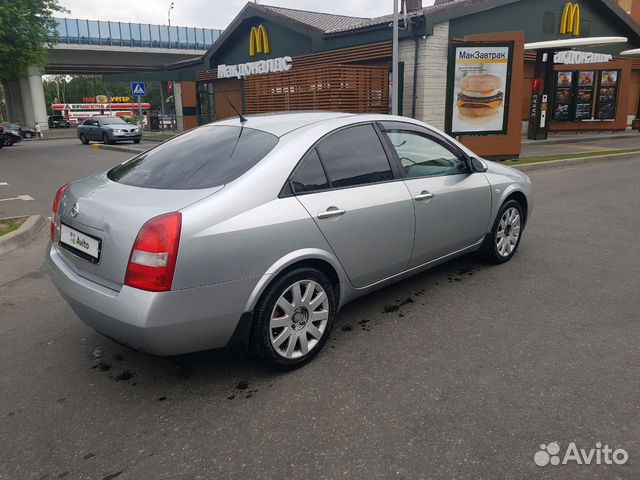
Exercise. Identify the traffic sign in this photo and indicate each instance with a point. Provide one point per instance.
(137, 88)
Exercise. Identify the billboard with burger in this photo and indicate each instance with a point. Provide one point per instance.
(480, 90)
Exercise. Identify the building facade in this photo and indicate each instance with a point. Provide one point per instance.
(278, 59)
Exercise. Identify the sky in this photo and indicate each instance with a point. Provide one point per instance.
(212, 13)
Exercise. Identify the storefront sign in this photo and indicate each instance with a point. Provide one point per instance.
(258, 41)
(481, 88)
(572, 57)
(273, 65)
(105, 99)
(570, 22)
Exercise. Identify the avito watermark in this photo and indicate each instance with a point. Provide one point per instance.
(550, 454)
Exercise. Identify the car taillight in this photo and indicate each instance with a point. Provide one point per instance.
(153, 257)
(55, 208)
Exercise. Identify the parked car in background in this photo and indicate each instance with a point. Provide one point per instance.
(11, 137)
(58, 121)
(256, 231)
(26, 132)
(2, 136)
(108, 130)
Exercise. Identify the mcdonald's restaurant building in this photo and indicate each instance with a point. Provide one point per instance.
(277, 59)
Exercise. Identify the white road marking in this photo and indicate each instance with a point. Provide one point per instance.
(25, 198)
(3, 184)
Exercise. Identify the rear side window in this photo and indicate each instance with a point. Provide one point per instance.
(310, 176)
(354, 156)
(202, 158)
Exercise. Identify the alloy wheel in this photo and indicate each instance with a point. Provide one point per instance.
(299, 319)
(508, 232)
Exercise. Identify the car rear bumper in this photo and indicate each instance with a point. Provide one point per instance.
(164, 323)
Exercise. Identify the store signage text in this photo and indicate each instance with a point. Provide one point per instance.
(572, 57)
(478, 55)
(570, 22)
(105, 99)
(273, 65)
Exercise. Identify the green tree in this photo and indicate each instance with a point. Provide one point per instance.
(27, 28)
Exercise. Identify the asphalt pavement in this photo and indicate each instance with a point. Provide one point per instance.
(460, 372)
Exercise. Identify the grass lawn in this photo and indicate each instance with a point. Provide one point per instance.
(564, 156)
(8, 225)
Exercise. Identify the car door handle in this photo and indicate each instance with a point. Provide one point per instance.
(331, 213)
(425, 196)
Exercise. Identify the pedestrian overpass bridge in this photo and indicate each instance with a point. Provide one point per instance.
(93, 47)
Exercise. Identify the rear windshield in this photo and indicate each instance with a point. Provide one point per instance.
(206, 157)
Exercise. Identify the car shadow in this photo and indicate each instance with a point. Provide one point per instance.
(233, 374)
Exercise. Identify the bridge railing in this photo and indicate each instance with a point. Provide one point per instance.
(75, 31)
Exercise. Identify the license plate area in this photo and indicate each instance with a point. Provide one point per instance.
(80, 244)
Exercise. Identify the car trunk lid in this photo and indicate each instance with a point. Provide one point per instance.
(105, 217)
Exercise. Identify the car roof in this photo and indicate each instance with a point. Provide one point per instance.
(280, 124)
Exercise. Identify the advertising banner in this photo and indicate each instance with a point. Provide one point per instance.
(482, 79)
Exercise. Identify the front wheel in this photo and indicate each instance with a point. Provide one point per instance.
(27, 135)
(293, 319)
(9, 142)
(105, 139)
(136, 141)
(83, 139)
(506, 234)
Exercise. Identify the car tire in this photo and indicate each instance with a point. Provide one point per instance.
(503, 241)
(83, 139)
(136, 141)
(291, 324)
(27, 135)
(105, 139)
(9, 142)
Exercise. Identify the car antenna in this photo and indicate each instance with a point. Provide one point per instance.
(243, 119)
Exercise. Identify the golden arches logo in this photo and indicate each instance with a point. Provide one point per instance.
(571, 19)
(258, 41)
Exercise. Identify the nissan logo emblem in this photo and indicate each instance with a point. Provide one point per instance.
(75, 209)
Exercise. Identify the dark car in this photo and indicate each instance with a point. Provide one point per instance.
(11, 137)
(108, 130)
(26, 132)
(58, 121)
(2, 137)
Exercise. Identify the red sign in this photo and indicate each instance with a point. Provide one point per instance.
(536, 83)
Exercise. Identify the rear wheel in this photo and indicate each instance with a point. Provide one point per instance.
(293, 319)
(83, 139)
(27, 135)
(506, 234)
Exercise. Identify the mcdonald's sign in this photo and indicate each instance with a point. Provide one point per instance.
(258, 41)
(570, 22)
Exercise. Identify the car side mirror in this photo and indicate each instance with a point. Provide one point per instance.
(478, 165)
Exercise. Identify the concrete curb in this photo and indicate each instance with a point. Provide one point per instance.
(115, 148)
(27, 231)
(567, 162)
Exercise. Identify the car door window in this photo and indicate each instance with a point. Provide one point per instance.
(422, 156)
(309, 176)
(354, 156)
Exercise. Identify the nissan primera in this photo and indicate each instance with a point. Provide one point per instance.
(254, 232)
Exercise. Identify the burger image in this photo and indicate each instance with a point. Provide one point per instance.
(480, 96)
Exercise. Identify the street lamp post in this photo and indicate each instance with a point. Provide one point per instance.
(169, 13)
(394, 60)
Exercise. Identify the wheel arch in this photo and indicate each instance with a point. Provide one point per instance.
(521, 198)
(308, 258)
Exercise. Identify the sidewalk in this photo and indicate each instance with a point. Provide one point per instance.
(580, 144)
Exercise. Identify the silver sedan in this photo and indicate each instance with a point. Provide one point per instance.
(253, 232)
